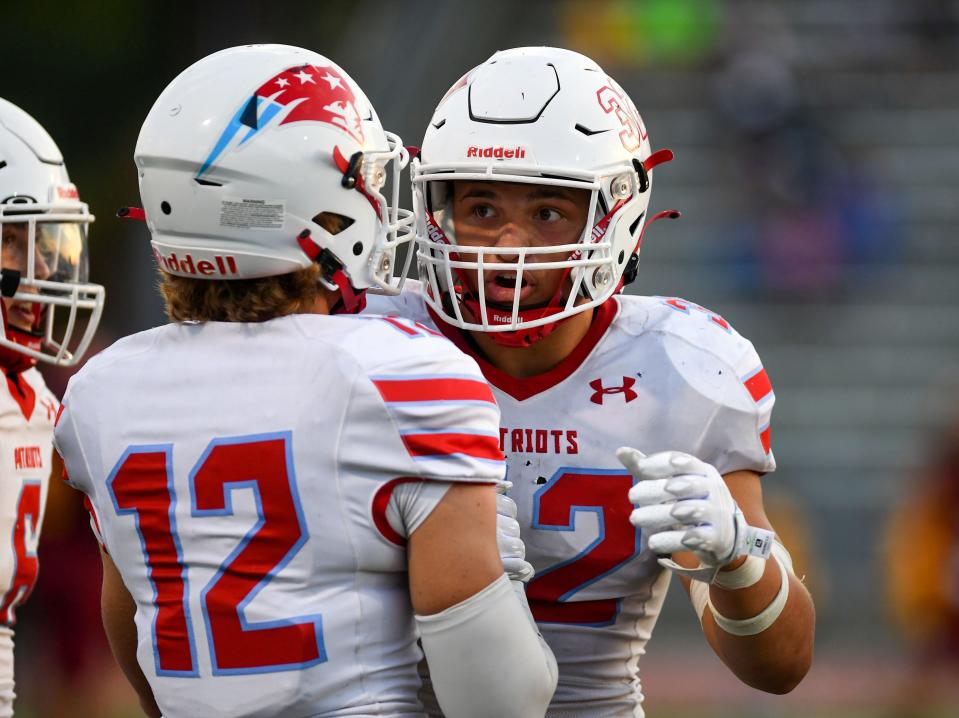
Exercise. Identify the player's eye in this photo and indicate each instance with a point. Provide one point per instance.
(548, 214)
(483, 211)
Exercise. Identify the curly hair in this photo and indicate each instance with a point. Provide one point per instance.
(239, 300)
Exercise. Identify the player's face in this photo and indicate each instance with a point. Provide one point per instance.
(20, 315)
(510, 215)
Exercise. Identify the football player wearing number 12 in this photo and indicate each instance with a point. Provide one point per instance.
(44, 226)
(531, 193)
(277, 485)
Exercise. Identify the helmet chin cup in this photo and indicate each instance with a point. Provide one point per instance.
(517, 338)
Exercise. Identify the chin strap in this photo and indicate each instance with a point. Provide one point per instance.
(11, 360)
(352, 300)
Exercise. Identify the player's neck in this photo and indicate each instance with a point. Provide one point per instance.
(324, 299)
(539, 357)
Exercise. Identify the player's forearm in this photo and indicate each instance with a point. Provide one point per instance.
(776, 658)
(117, 611)
(486, 657)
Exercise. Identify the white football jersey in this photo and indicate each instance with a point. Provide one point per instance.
(244, 478)
(27, 412)
(654, 373)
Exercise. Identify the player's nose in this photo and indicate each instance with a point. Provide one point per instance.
(41, 270)
(512, 235)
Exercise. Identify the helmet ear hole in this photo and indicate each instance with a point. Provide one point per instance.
(643, 175)
(332, 222)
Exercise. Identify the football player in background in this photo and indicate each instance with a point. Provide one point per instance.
(44, 266)
(531, 193)
(279, 486)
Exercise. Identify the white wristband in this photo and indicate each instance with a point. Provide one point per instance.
(762, 620)
(744, 576)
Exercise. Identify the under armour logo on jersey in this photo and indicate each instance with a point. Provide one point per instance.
(626, 390)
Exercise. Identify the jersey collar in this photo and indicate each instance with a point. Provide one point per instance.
(524, 388)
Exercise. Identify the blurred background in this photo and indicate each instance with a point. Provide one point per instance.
(817, 168)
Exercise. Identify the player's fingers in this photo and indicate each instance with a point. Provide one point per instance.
(700, 538)
(652, 518)
(691, 511)
(507, 526)
(518, 569)
(687, 486)
(505, 506)
(510, 547)
(688, 464)
(649, 492)
(656, 466)
(666, 542)
(630, 458)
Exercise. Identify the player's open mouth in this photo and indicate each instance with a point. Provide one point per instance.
(21, 315)
(501, 288)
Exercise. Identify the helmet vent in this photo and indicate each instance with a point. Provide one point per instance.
(332, 222)
(634, 225)
(588, 132)
(165, 207)
(207, 183)
(3, 163)
(439, 123)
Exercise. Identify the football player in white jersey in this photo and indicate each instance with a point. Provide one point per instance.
(531, 193)
(277, 485)
(44, 265)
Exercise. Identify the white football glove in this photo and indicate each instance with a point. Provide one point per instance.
(511, 547)
(683, 504)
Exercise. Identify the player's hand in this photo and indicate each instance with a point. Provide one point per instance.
(511, 547)
(683, 504)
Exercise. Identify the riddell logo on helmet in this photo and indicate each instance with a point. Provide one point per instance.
(220, 266)
(435, 233)
(499, 153)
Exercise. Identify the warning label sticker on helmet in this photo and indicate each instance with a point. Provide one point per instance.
(252, 213)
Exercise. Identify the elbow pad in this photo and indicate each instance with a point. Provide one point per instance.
(486, 657)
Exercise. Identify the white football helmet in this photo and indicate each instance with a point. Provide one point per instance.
(242, 153)
(543, 116)
(45, 259)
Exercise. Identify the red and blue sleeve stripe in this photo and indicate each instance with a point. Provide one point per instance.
(430, 389)
(452, 443)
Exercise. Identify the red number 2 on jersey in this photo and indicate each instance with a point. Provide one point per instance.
(25, 535)
(142, 485)
(604, 492)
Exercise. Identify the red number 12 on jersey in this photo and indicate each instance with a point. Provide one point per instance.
(142, 485)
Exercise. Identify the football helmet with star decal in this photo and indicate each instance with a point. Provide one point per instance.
(543, 116)
(50, 310)
(247, 156)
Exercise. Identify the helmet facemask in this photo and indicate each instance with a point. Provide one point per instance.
(592, 268)
(44, 277)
